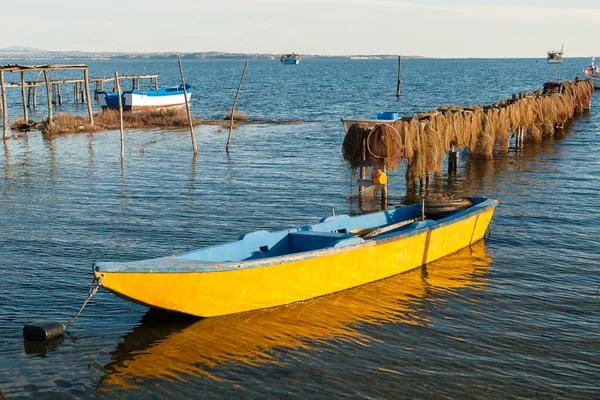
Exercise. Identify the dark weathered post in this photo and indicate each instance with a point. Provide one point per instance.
(75, 93)
(47, 79)
(384, 192)
(363, 169)
(233, 108)
(4, 110)
(86, 79)
(118, 86)
(59, 95)
(25, 117)
(35, 97)
(399, 77)
(187, 107)
(453, 161)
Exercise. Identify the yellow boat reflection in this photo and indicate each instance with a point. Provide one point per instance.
(176, 348)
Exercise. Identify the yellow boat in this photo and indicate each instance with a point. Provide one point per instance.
(165, 347)
(267, 269)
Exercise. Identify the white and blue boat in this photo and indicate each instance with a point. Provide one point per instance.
(290, 58)
(132, 99)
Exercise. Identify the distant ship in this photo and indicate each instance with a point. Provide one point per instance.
(290, 58)
(555, 56)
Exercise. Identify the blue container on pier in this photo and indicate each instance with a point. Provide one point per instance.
(387, 115)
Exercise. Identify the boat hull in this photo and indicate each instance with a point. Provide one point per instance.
(291, 62)
(596, 79)
(283, 280)
(169, 97)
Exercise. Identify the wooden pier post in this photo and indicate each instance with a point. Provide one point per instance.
(81, 92)
(399, 84)
(53, 93)
(86, 79)
(233, 108)
(452, 161)
(187, 108)
(363, 169)
(118, 85)
(96, 91)
(25, 116)
(75, 94)
(35, 97)
(384, 193)
(47, 79)
(59, 95)
(29, 96)
(4, 110)
(156, 83)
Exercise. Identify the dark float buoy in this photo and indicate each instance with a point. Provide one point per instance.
(41, 331)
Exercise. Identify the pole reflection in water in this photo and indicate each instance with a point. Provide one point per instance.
(169, 346)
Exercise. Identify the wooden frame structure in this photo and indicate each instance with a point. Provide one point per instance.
(45, 69)
(81, 90)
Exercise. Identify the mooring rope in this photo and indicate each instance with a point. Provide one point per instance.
(488, 233)
(91, 292)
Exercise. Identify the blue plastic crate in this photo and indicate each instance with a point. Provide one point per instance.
(388, 115)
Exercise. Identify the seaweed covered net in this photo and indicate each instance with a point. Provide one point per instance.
(424, 139)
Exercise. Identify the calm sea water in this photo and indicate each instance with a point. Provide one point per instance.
(518, 317)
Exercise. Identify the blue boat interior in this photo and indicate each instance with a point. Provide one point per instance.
(331, 232)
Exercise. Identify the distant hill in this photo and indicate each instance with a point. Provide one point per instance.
(21, 49)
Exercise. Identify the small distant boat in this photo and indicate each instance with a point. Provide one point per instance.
(593, 72)
(165, 97)
(267, 269)
(290, 58)
(555, 56)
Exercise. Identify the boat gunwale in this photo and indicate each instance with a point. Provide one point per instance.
(204, 266)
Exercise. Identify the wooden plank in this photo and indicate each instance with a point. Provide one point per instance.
(388, 228)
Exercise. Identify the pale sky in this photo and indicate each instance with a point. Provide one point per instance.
(431, 28)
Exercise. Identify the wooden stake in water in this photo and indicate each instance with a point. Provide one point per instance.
(187, 107)
(233, 108)
(25, 117)
(86, 79)
(47, 79)
(399, 77)
(4, 110)
(118, 85)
